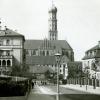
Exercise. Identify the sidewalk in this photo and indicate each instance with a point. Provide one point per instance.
(83, 88)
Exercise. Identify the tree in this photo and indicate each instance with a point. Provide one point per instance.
(60, 77)
(47, 74)
(20, 71)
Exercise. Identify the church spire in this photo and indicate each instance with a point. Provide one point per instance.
(52, 34)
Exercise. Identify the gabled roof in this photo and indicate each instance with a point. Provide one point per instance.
(94, 48)
(35, 44)
(96, 55)
(9, 32)
(40, 60)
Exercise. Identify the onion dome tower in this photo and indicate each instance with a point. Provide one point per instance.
(53, 34)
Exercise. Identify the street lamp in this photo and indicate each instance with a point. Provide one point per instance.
(95, 69)
(87, 73)
(58, 58)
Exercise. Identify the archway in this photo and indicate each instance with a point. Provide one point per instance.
(8, 62)
(3, 63)
(0, 62)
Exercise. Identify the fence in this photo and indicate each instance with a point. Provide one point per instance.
(83, 81)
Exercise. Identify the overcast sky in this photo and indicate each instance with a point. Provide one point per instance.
(78, 20)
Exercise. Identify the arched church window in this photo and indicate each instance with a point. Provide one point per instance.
(43, 53)
(47, 53)
(33, 52)
(27, 52)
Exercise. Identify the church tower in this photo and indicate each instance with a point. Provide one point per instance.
(52, 34)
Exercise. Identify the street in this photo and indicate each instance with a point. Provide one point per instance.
(49, 93)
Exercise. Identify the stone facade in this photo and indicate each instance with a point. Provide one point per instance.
(11, 50)
(91, 61)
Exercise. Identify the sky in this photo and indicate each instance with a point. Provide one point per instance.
(78, 21)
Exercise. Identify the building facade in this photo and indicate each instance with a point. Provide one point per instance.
(11, 50)
(91, 61)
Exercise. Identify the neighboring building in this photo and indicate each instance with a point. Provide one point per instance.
(91, 61)
(75, 69)
(11, 50)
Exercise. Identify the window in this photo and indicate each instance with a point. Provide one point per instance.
(1, 42)
(8, 53)
(27, 53)
(47, 53)
(0, 62)
(43, 53)
(33, 52)
(8, 42)
(8, 63)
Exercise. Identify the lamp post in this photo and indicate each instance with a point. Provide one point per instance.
(87, 73)
(95, 69)
(58, 58)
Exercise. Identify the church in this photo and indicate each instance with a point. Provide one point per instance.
(40, 53)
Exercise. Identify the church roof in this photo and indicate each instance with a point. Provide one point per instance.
(44, 60)
(41, 69)
(40, 60)
(9, 32)
(35, 44)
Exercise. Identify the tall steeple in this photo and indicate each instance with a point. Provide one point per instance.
(53, 34)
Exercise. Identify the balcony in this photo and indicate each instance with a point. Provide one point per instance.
(10, 46)
(5, 69)
(6, 56)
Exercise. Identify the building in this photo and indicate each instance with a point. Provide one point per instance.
(91, 61)
(41, 52)
(11, 50)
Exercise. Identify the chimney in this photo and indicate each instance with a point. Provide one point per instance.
(99, 44)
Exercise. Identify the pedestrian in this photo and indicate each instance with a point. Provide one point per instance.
(32, 84)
